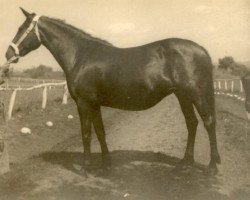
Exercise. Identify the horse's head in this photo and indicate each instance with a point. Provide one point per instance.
(26, 39)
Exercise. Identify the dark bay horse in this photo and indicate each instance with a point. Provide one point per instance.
(100, 74)
(246, 86)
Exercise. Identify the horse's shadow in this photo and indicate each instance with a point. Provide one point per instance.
(152, 175)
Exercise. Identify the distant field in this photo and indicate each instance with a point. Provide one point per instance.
(218, 74)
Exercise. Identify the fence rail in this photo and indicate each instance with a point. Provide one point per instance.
(43, 86)
(14, 83)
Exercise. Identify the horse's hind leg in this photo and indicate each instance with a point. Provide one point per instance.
(191, 123)
(204, 103)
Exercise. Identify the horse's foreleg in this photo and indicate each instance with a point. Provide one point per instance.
(85, 112)
(100, 132)
(191, 123)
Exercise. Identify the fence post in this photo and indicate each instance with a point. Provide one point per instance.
(232, 86)
(7, 84)
(226, 85)
(219, 85)
(65, 95)
(241, 87)
(11, 105)
(44, 97)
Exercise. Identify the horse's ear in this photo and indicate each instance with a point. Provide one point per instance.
(25, 12)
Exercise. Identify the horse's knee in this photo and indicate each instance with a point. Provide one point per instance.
(209, 121)
(193, 121)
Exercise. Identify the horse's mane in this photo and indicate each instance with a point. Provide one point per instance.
(80, 32)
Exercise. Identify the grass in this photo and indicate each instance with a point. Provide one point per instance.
(219, 74)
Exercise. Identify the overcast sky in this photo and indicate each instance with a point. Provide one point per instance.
(221, 26)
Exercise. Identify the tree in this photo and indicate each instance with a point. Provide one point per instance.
(43, 71)
(226, 63)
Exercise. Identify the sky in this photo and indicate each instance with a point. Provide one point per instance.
(221, 26)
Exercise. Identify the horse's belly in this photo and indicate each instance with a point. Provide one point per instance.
(133, 101)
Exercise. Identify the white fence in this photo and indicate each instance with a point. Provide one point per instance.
(45, 87)
(229, 87)
(14, 83)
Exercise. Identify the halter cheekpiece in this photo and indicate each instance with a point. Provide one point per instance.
(32, 25)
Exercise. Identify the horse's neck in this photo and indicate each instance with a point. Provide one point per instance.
(59, 42)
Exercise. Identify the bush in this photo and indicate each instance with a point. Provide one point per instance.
(45, 72)
(228, 64)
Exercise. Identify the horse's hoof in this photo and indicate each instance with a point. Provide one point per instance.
(186, 162)
(212, 170)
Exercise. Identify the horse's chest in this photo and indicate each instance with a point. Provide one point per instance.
(84, 85)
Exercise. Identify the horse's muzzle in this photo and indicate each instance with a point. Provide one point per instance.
(10, 54)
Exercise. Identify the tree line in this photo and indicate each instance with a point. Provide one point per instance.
(229, 65)
(40, 72)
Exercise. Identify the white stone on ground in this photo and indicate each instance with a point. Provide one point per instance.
(49, 123)
(25, 130)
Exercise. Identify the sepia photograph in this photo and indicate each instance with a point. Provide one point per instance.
(125, 99)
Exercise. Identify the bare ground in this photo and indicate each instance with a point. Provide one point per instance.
(145, 148)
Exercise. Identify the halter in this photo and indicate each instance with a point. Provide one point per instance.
(32, 25)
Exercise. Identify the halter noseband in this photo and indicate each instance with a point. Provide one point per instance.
(32, 25)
